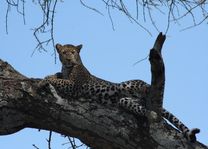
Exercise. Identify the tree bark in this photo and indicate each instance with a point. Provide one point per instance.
(24, 105)
(155, 98)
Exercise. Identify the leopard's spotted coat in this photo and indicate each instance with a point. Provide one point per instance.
(76, 81)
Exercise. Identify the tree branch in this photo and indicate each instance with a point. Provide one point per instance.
(155, 100)
(24, 105)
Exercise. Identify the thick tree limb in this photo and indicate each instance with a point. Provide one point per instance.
(23, 104)
(155, 100)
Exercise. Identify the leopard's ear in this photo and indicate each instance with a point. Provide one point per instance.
(79, 47)
(58, 47)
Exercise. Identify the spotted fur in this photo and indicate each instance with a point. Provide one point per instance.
(76, 81)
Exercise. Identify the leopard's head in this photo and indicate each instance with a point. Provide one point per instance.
(69, 54)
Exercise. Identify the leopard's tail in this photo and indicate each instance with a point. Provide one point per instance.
(189, 134)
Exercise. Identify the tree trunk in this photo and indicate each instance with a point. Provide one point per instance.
(23, 104)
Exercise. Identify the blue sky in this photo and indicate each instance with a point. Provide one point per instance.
(110, 55)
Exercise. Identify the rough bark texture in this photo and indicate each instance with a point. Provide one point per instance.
(155, 100)
(23, 104)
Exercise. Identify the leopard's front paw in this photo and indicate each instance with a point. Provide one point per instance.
(43, 84)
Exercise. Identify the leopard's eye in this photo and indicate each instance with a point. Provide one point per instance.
(64, 52)
(73, 52)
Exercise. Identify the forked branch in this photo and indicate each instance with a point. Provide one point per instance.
(155, 100)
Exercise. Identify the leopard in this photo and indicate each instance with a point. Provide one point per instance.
(76, 81)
